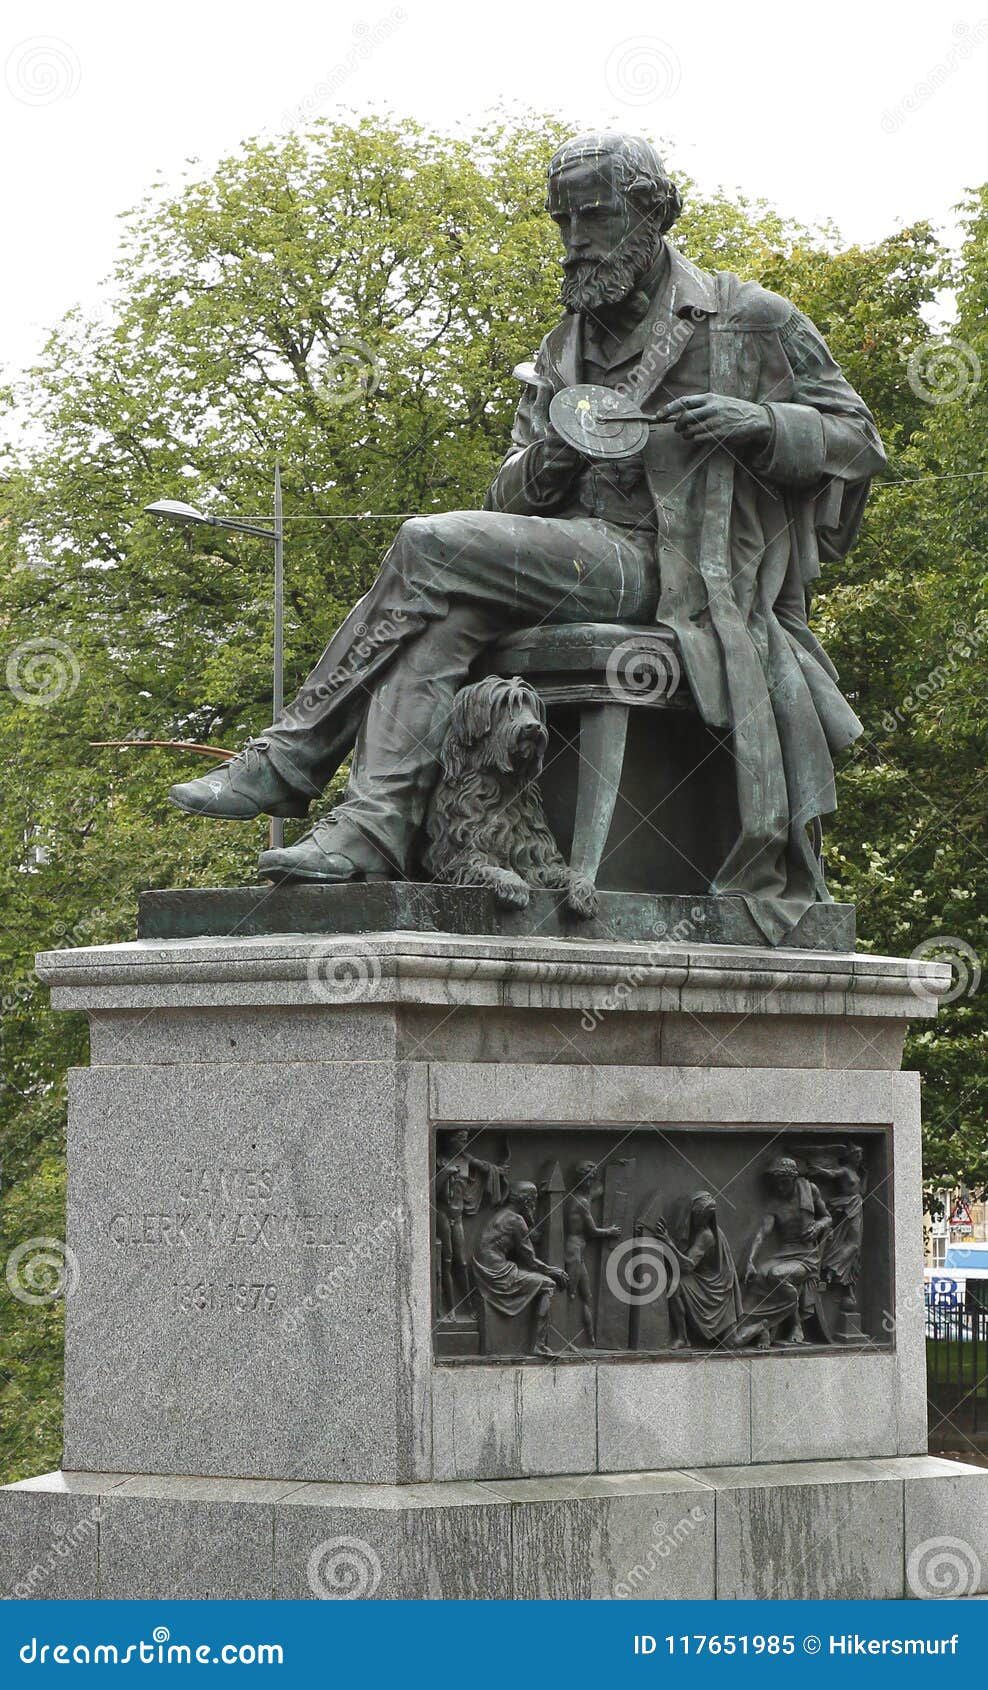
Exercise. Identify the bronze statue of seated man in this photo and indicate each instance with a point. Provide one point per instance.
(756, 468)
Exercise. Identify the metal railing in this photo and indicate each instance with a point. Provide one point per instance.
(957, 1375)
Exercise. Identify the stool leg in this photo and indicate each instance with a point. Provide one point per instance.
(603, 732)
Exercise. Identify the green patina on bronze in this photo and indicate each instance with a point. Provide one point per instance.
(754, 465)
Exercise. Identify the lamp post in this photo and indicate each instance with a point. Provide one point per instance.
(175, 510)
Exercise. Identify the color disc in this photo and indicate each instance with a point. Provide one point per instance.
(579, 416)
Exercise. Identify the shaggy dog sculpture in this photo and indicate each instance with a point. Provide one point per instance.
(486, 825)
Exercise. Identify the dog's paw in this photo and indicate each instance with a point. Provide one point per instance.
(511, 891)
(581, 896)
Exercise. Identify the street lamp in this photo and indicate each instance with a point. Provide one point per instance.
(176, 510)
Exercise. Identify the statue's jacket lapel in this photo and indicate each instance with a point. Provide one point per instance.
(561, 356)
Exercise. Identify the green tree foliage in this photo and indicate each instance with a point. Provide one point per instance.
(907, 618)
(352, 302)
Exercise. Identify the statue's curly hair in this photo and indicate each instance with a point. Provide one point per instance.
(640, 172)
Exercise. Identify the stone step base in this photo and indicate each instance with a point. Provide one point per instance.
(908, 1526)
(415, 907)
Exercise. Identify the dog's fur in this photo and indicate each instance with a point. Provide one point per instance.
(486, 825)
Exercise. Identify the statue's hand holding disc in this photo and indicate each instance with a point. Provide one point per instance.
(598, 422)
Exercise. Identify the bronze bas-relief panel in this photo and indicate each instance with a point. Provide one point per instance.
(554, 1243)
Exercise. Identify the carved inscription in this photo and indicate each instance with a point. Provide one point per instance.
(213, 1215)
(222, 1207)
(206, 1296)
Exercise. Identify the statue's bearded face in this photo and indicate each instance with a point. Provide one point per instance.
(607, 242)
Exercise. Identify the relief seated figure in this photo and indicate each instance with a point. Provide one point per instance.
(508, 1274)
(781, 1289)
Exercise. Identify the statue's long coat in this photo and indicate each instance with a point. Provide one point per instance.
(740, 540)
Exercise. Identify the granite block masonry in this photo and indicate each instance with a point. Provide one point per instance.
(250, 1162)
(877, 1530)
(259, 1297)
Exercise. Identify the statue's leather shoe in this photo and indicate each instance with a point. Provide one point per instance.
(248, 785)
(331, 852)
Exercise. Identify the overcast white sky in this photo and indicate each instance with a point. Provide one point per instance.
(869, 113)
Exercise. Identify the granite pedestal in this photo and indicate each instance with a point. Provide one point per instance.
(912, 1527)
(249, 1343)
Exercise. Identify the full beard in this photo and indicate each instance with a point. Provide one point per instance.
(589, 283)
